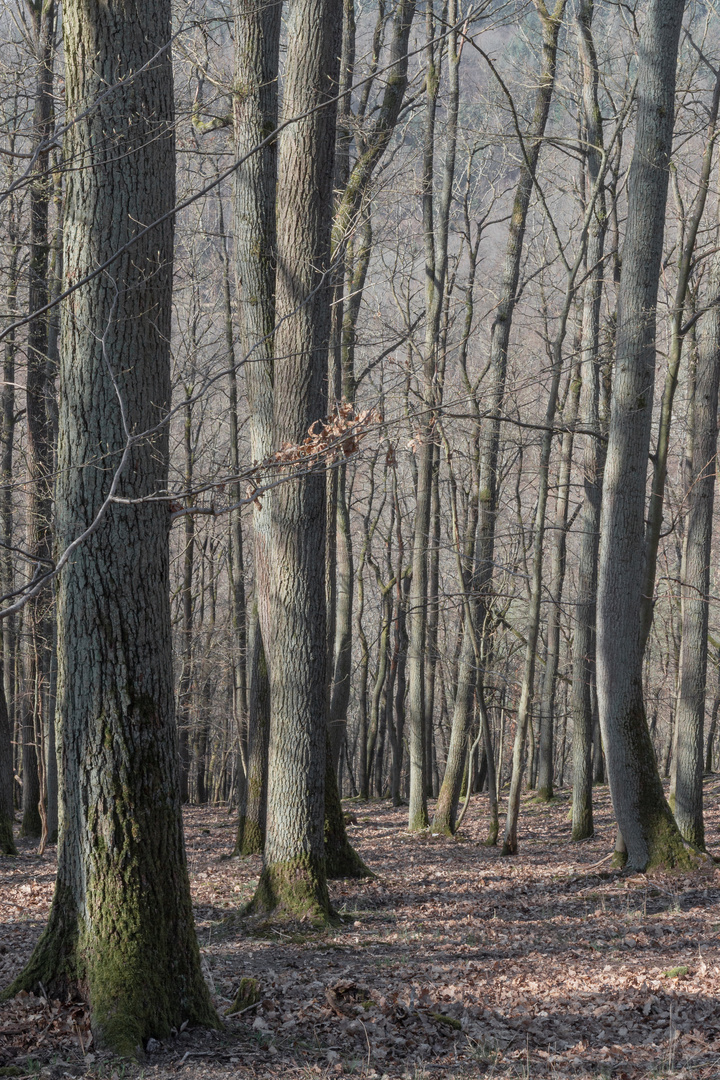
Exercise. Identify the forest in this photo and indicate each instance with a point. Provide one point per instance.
(359, 624)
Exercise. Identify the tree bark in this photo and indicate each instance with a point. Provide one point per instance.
(121, 922)
(642, 813)
(687, 789)
(293, 877)
(546, 756)
(583, 657)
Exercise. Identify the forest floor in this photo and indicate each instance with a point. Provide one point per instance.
(452, 962)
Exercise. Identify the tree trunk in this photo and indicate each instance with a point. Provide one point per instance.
(642, 813)
(7, 436)
(253, 807)
(121, 922)
(507, 293)
(687, 790)
(257, 57)
(293, 877)
(39, 425)
(546, 755)
(583, 657)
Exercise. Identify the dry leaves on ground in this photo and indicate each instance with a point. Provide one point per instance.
(452, 962)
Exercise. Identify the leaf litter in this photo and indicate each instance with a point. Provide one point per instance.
(453, 961)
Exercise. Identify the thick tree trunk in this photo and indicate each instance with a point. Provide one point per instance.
(687, 790)
(293, 877)
(642, 813)
(121, 922)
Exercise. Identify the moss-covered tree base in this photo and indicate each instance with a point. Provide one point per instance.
(418, 822)
(250, 838)
(582, 824)
(295, 891)
(248, 994)
(344, 862)
(7, 841)
(693, 833)
(666, 848)
(544, 794)
(132, 994)
(492, 836)
(54, 960)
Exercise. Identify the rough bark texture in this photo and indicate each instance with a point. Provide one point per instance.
(121, 922)
(257, 55)
(293, 877)
(642, 812)
(687, 791)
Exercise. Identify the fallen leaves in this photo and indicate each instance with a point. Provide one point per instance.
(453, 961)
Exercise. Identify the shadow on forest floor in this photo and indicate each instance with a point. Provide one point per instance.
(455, 962)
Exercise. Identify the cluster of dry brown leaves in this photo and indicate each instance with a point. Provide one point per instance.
(452, 962)
(340, 433)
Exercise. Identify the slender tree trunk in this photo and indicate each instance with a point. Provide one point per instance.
(677, 338)
(237, 557)
(507, 293)
(642, 813)
(186, 672)
(546, 757)
(257, 57)
(713, 728)
(253, 807)
(583, 659)
(121, 921)
(687, 791)
(7, 626)
(40, 435)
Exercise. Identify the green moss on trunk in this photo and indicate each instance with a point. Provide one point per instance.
(545, 794)
(248, 994)
(666, 847)
(294, 890)
(7, 842)
(250, 839)
(54, 960)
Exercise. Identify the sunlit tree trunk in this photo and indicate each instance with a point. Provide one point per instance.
(121, 922)
(293, 877)
(642, 813)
